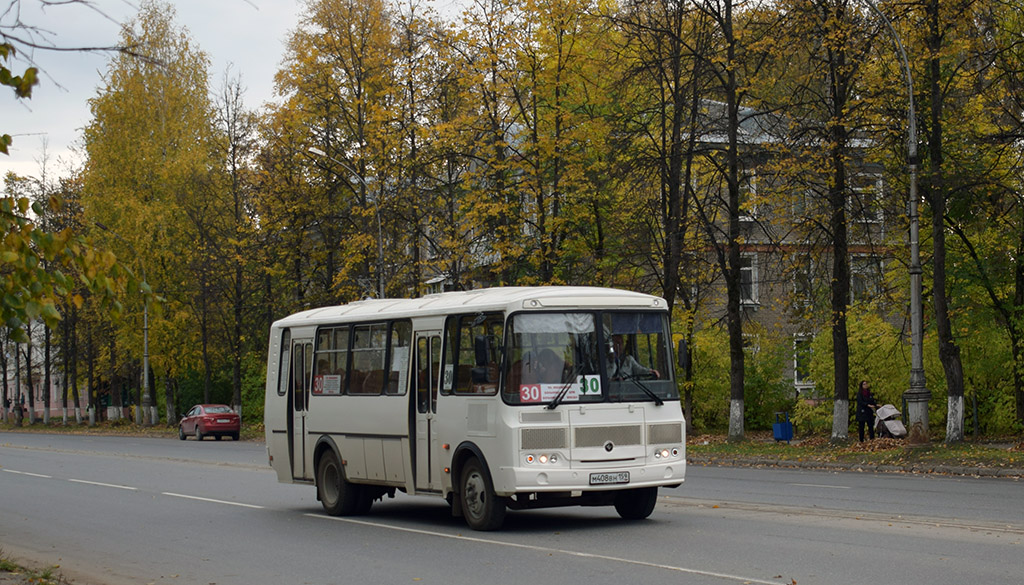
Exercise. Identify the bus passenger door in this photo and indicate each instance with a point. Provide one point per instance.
(428, 367)
(298, 403)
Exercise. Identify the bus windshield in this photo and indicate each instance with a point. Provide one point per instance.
(553, 358)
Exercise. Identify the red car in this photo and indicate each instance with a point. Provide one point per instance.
(203, 420)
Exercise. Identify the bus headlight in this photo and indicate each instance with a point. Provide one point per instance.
(666, 453)
(542, 459)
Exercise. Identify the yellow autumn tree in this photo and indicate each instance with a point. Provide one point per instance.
(147, 187)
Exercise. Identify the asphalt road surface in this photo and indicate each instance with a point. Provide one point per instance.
(112, 511)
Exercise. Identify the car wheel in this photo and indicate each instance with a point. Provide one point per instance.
(199, 433)
(482, 509)
(636, 504)
(234, 436)
(336, 494)
(181, 433)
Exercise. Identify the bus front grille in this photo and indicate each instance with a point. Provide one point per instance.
(599, 436)
(665, 434)
(544, 438)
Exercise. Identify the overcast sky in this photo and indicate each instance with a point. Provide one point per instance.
(249, 34)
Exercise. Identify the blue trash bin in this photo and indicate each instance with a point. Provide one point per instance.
(782, 428)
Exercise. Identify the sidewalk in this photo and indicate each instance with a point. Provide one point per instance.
(917, 468)
(985, 458)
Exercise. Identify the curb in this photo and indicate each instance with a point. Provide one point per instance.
(999, 472)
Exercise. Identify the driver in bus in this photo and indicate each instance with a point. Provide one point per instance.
(550, 367)
(623, 366)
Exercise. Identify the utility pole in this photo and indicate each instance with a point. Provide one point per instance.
(918, 395)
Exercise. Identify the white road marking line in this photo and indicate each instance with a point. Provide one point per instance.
(173, 495)
(818, 485)
(110, 485)
(27, 473)
(551, 550)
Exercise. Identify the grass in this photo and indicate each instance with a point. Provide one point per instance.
(1001, 453)
(24, 575)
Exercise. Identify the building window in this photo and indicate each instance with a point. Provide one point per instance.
(865, 200)
(751, 344)
(802, 361)
(802, 283)
(865, 278)
(803, 204)
(748, 195)
(748, 279)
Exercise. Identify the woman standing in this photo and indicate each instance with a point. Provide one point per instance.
(866, 406)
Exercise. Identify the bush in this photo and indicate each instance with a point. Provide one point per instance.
(812, 417)
(254, 380)
(765, 390)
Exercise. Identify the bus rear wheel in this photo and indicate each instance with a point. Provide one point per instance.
(636, 504)
(482, 509)
(336, 494)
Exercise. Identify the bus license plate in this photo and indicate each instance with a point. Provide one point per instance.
(608, 478)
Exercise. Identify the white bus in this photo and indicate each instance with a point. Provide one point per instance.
(495, 399)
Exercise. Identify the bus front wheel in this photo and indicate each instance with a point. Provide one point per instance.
(336, 494)
(482, 509)
(636, 504)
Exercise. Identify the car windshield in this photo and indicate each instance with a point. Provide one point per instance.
(218, 410)
(553, 358)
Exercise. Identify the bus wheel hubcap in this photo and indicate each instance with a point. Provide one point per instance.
(475, 494)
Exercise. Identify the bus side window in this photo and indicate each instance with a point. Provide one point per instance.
(282, 381)
(369, 350)
(475, 360)
(297, 375)
(398, 358)
(423, 381)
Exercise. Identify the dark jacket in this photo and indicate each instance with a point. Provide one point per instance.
(864, 401)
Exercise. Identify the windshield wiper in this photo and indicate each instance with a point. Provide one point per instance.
(648, 391)
(573, 374)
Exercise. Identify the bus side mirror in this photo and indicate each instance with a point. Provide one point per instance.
(683, 356)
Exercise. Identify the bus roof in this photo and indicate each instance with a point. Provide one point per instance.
(487, 299)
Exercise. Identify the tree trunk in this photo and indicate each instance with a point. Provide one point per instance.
(732, 280)
(949, 352)
(28, 378)
(90, 387)
(114, 412)
(236, 343)
(172, 411)
(19, 413)
(65, 352)
(5, 404)
(47, 376)
(73, 360)
(840, 287)
(1015, 332)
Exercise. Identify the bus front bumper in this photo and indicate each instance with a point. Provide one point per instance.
(539, 478)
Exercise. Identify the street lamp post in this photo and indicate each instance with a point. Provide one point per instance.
(918, 395)
(147, 414)
(376, 208)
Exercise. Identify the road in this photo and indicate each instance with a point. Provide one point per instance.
(113, 511)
